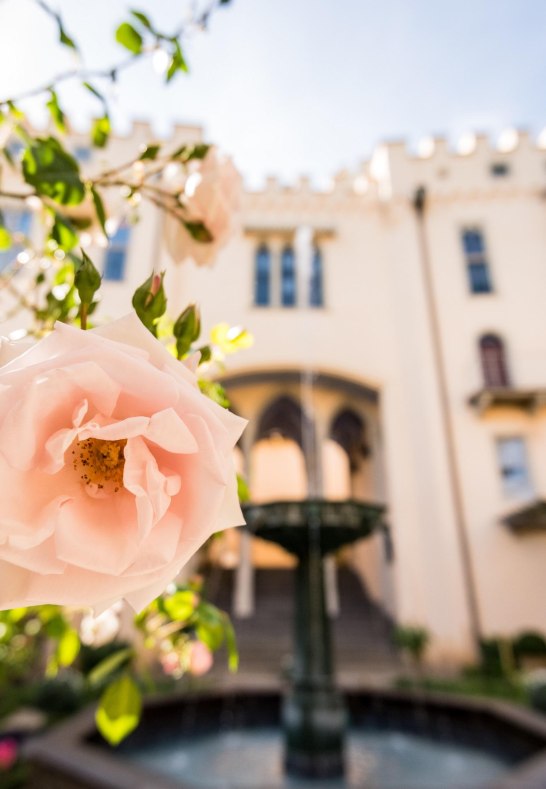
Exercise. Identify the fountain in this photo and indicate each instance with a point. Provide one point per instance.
(314, 715)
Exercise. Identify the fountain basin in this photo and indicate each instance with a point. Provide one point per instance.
(236, 734)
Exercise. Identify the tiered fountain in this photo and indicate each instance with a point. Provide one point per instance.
(314, 717)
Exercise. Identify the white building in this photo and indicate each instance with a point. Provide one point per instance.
(420, 317)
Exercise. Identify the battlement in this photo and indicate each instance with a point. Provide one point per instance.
(473, 164)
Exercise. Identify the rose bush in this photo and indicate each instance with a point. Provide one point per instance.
(114, 467)
(211, 195)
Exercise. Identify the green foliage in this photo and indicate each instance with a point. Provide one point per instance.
(471, 683)
(5, 239)
(198, 232)
(119, 710)
(64, 233)
(109, 665)
(52, 171)
(57, 115)
(530, 644)
(99, 209)
(187, 329)
(150, 152)
(181, 605)
(178, 62)
(215, 391)
(150, 302)
(130, 38)
(243, 490)
(413, 640)
(100, 131)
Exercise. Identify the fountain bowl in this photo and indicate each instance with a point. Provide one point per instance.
(72, 756)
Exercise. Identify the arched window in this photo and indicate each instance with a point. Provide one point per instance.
(349, 431)
(493, 359)
(285, 417)
(288, 277)
(315, 285)
(262, 275)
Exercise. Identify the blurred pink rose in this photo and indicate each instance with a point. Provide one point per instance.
(200, 659)
(114, 468)
(212, 194)
(8, 753)
(170, 663)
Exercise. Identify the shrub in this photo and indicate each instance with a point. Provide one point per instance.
(413, 640)
(530, 644)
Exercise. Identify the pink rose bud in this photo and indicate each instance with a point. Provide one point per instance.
(200, 659)
(8, 753)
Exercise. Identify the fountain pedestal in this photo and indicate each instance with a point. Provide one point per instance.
(314, 715)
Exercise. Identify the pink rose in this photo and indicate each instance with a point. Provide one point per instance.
(200, 659)
(8, 753)
(212, 193)
(170, 663)
(114, 468)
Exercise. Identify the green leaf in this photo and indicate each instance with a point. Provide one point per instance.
(99, 209)
(64, 233)
(56, 112)
(5, 239)
(15, 112)
(198, 232)
(128, 37)
(150, 302)
(52, 171)
(150, 152)
(143, 19)
(100, 131)
(65, 39)
(109, 665)
(68, 648)
(177, 63)
(119, 710)
(87, 279)
(231, 645)
(188, 152)
(187, 329)
(94, 91)
(243, 490)
(180, 606)
(214, 391)
(206, 354)
(211, 627)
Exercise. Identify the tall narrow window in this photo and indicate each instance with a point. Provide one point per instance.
(479, 279)
(262, 276)
(18, 224)
(116, 254)
(288, 277)
(316, 298)
(513, 465)
(493, 359)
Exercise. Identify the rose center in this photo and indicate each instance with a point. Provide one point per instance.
(100, 463)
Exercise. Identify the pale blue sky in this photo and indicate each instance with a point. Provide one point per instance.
(309, 86)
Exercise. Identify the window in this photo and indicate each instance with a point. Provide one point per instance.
(114, 263)
(262, 276)
(288, 277)
(499, 169)
(512, 458)
(315, 285)
(82, 153)
(493, 360)
(477, 266)
(18, 223)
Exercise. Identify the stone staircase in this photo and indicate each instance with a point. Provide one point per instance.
(362, 633)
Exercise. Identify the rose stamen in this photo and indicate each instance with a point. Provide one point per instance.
(100, 463)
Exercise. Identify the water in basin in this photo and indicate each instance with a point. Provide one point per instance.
(376, 759)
